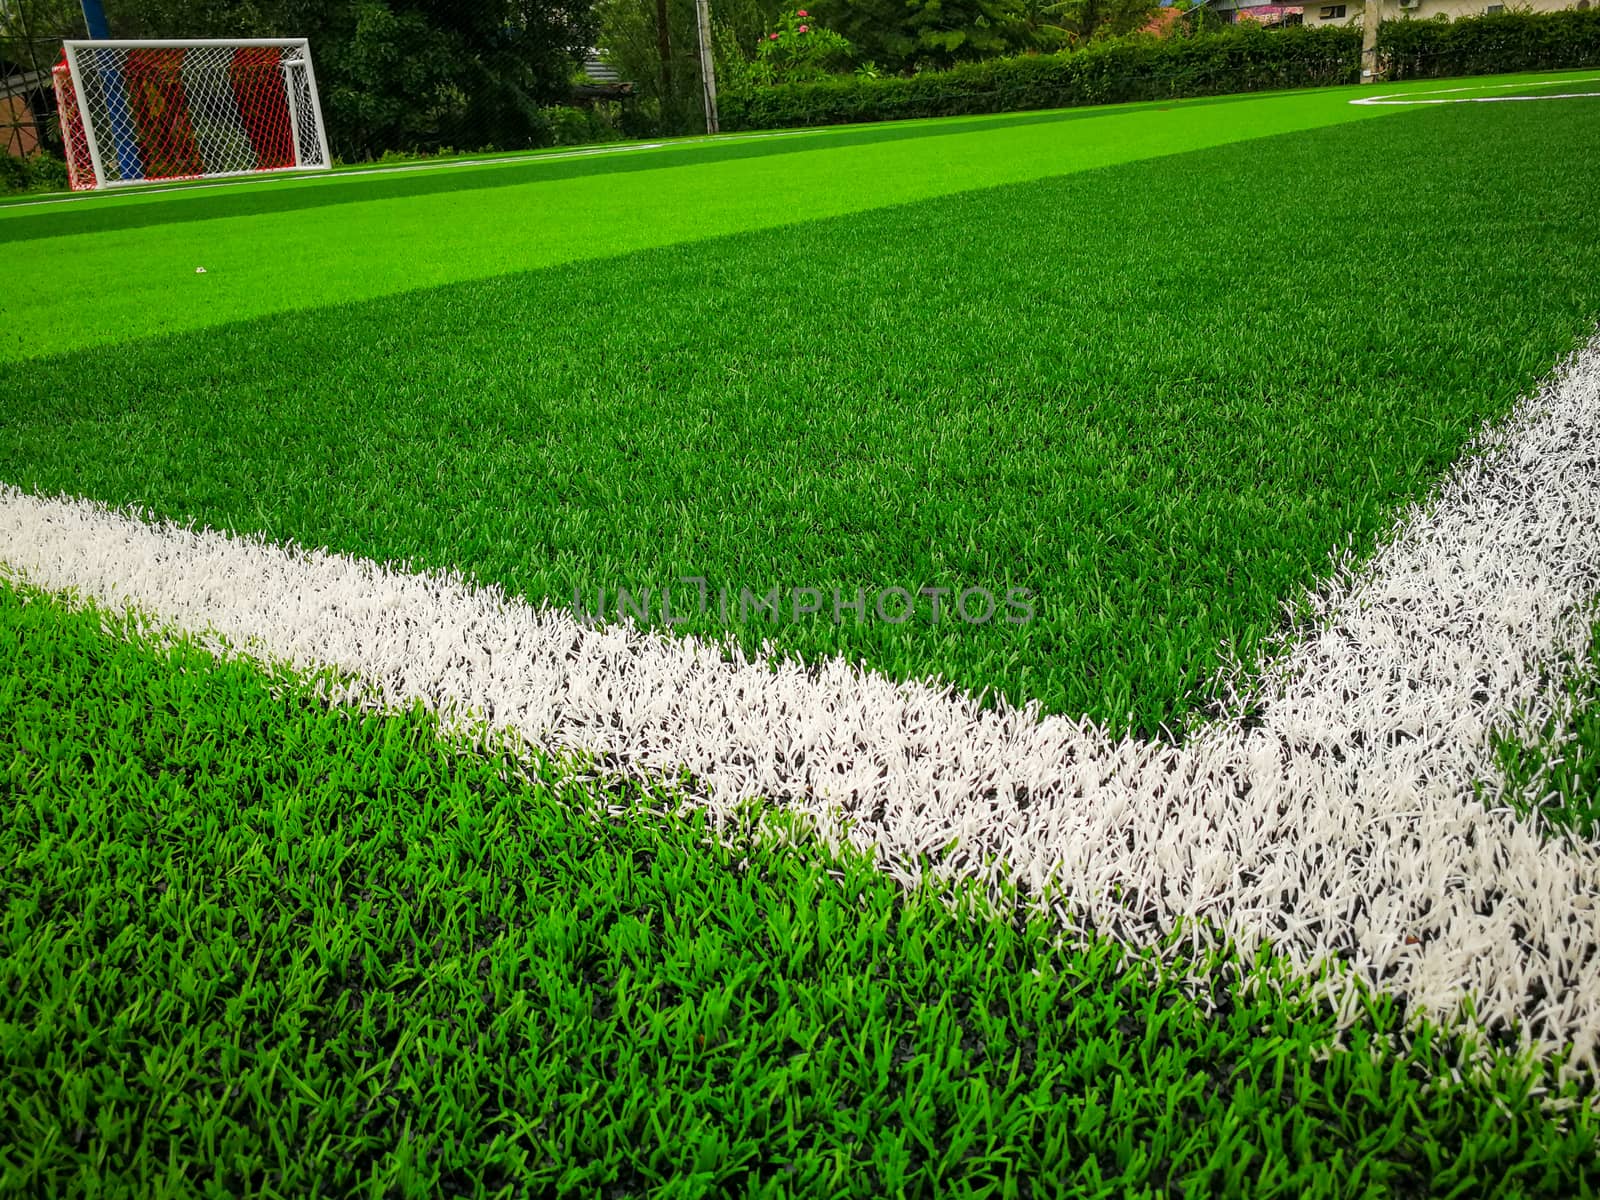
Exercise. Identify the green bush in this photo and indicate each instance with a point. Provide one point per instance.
(558, 125)
(1110, 72)
(798, 50)
(574, 126)
(1507, 41)
(40, 172)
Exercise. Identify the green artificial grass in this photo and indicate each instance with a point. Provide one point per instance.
(257, 947)
(1559, 770)
(1155, 396)
(121, 283)
(22, 218)
(1552, 84)
(95, 212)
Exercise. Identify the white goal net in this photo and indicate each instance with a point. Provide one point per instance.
(137, 112)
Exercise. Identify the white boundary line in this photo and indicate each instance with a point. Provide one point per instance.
(1403, 98)
(1341, 823)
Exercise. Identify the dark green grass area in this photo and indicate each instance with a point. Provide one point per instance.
(253, 946)
(1563, 778)
(1156, 396)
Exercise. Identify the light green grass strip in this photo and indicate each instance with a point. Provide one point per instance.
(255, 946)
(676, 151)
(122, 284)
(662, 152)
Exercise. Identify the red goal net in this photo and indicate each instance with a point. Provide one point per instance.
(135, 112)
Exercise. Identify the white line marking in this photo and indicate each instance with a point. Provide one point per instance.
(1400, 98)
(1342, 826)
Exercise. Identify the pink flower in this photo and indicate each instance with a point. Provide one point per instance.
(772, 37)
(802, 29)
(802, 13)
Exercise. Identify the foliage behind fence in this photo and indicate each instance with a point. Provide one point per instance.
(1508, 41)
(1240, 60)
(424, 74)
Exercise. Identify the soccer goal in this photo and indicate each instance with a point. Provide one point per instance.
(138, 112)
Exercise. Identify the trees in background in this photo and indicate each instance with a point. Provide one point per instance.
(30, 42)
(905, 35)
(31, 31)
(406, 74)
(651, 42)
(909, 35)
(472, 74)
(1083, 21)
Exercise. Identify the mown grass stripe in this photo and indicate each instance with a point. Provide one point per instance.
(162, 204)
(1160, 427)
(1339, 822)
(268, 262)
(20, 217)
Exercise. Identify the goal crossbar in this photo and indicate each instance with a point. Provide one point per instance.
(180, 43)
(142, 111)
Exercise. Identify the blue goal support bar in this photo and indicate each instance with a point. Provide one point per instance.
(129, 161)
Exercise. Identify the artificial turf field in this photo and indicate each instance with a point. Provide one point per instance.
(1151, 366)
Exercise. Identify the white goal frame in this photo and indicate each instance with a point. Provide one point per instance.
(75, 48)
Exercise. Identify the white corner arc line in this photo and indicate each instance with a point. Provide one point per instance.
(1342, 825)
(1452, 96)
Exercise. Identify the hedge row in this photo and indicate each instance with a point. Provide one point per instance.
(41, 172)
(1509, 41)
(1240, 60)
(1243, 59)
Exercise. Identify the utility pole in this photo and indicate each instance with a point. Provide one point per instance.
(708, 74)
(1371, 15)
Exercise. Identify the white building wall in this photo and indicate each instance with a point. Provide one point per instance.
(1390, 9)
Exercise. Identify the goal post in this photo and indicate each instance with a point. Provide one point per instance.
(143, 111)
